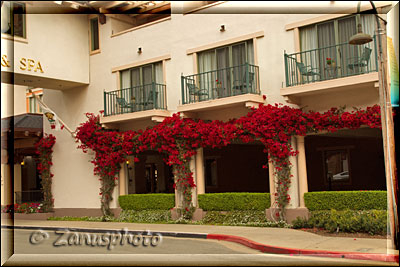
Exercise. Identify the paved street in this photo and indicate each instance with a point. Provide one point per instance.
(30, 249)
(168, 245)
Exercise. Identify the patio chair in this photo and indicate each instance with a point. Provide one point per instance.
(242, 86)
(123, 104)
(194, 90)
(307, 71)
(360, 62)
(150, 99)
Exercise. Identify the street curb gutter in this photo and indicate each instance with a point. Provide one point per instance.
(308, 252)
(231, 238)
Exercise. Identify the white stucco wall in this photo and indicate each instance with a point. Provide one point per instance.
(13, 100)
(58, 41)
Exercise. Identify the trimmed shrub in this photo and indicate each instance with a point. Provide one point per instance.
(147, 202)
(145, 216)
(342, 200)
(84, 218)
(240, 218)
(234, 201)
(369, 221)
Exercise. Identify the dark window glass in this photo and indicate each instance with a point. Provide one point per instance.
(13, 18)
(211, 172)
(337, 166)
(94, 30)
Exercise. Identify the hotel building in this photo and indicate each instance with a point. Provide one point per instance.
(142, 61)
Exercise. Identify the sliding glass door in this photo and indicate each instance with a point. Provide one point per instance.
(327, 44)
(220, 67)
(137, 84)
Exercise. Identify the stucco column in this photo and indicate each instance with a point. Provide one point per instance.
(271, 183)
(122, 180)
(294, 180)
(193, 169)
(200, 183)
(302, 169)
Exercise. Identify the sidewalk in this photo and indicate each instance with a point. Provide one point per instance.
(269, 240)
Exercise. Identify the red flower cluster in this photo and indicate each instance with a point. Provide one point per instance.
(44, 148)
(23, 208)
(178, 137)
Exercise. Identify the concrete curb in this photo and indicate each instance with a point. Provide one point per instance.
(291, 251)
(231, 238)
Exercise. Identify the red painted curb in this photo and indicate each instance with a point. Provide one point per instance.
(308, 252)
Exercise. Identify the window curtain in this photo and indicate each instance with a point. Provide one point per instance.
(347, 53)
(159, 78)
(222, 81)
(135, 84)
(368, 23)
(308, 41)
(326, 45)
(125, 79)
(207, 62)
(5, 17)
(250, 52)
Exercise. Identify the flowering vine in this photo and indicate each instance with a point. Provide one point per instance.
(179, 138)
(44, 148)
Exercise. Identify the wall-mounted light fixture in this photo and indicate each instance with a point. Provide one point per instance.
(139, 50)
(222, 29)
(102, 19)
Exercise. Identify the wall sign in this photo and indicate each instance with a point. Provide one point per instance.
(25, 64)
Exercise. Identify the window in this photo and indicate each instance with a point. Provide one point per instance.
(32, 104)
(13, 18)
(210, 170)
(228, 66)
(142, 85)
(337, 166)
(225, 57)
(329, 40)
(94, 34)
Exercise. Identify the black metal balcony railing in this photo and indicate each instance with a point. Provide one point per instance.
(28, 196)
(330, 62)
(220, 83)
(138, 98)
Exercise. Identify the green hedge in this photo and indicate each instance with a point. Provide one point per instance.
(255, 218)
(234, 201)
(367, 221)
(342, 200)
(147, 201)
(145, 216)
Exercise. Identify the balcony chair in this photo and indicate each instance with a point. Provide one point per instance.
(307, 71)
(194, 90)
(125, 105)
(360, 62)
(241, 86)
(150, 100)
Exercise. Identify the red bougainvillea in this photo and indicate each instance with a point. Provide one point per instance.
(44, 148)
(179, 138)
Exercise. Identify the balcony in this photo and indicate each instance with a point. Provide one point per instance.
(330, 62)
(220, 83)
(330, 69)
(235, 87)
(139, 102)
